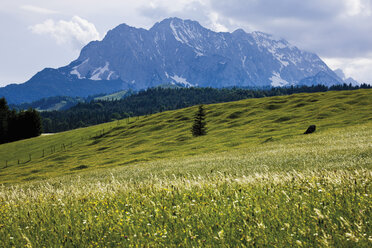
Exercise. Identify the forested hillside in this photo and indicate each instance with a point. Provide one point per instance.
(156, 100)
(18, 125)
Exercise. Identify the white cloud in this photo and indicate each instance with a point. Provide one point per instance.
(358, 7)
(357, 68)
(338, 30)
(76, 32)
(215, 23)
(38, 10)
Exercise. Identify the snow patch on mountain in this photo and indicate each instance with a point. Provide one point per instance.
(280, 58)
(277, 81)
(243, 60)
(110, 75)
(76, 72)
(98, 74)
(274, 46)
(177, 35)
(198, 53)
(75, 69)
(181, 80)
(188, 35)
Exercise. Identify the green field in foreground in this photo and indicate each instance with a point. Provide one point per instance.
(254, 180)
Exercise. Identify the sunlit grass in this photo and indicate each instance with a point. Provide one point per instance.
(253, 180)
(272, 209)
(238, 125)
(304, 191)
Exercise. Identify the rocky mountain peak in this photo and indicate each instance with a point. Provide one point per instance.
(182, 52)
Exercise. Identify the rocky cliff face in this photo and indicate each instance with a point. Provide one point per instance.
(179, 52)
(182, 51)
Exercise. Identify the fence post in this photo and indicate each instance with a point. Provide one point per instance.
(43, 153)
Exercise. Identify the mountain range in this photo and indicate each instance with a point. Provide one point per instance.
(180, 52)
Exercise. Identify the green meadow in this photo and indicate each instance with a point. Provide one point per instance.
(254, 180)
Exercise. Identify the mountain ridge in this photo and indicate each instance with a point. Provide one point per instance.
(180, 52)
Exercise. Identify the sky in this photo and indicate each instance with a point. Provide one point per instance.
(37, 33)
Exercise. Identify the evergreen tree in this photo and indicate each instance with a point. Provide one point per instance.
(198, 128)
(32, 123)
(15, 126)
(4, 115)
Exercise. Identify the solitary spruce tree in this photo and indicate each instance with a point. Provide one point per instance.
(198, 128)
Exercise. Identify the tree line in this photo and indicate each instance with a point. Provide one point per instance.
(156, 100)
(17, 125)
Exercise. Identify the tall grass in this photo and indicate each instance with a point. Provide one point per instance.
(303, 191)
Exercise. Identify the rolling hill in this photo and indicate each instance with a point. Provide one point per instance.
(234, 125)
(254, 180)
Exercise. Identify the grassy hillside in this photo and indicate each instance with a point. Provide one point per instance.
(254, 180)
(155, 100)
(114, 96)
(54, 103)
(244, 124)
